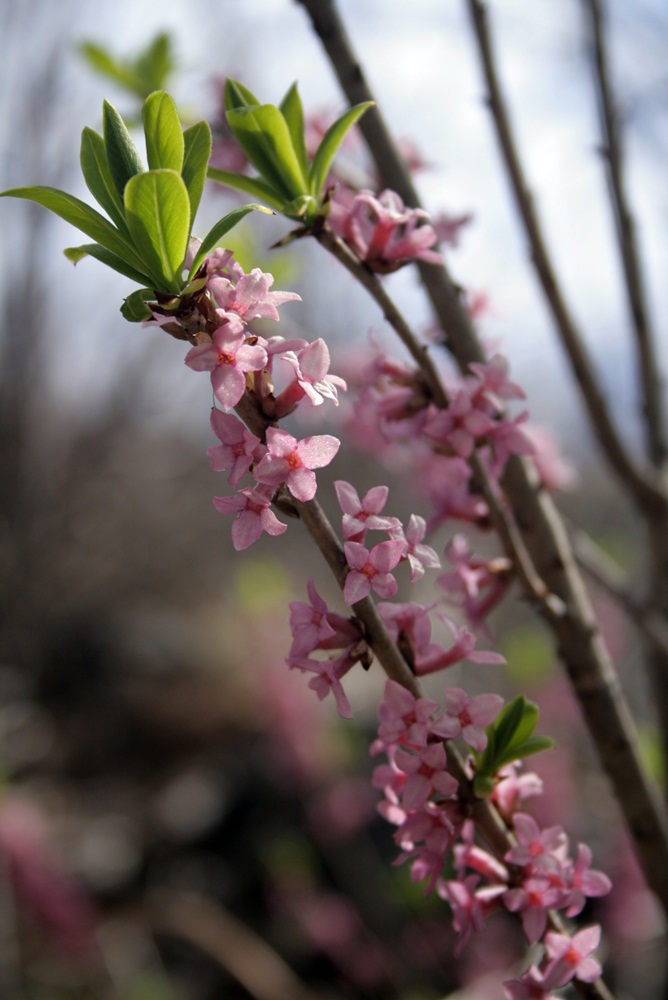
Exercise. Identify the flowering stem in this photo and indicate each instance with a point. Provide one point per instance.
(581, 648)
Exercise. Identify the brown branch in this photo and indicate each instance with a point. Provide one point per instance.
(581, 649)
(643, 486)
(232, 944)
(613, 153)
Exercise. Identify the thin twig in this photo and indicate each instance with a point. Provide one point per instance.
(642, 485)
(613, 154)
(583, 653)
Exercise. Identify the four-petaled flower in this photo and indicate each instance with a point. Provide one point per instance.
(371, 569)
(291, 461)
(228, 357)
(254, 515)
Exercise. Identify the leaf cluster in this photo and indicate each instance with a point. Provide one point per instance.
(274, 141)
(509, 738)
(149, 212)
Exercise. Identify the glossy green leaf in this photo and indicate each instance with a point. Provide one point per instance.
(75, 254)
(219, 230)
(264, 137)
(197, 152)
(163, 132)
(98, 178)
(533, 745)
(123, 159)
(293, 113)
(329, 146)
(253, 186)
(238, 96)
(134, 307)
(157, 210)
(81, 215)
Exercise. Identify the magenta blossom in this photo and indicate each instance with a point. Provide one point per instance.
(254, 515)
(228, 357)
(371, 570)
(291, 462)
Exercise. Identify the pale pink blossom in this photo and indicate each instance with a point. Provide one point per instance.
(570, 958)
(238, 448)
(291, 461)
(404, 719)
(311, 367)
(247, 295)
(360, 516)
(426, 774)
(253, 515)
(533, 899)
(228, 357)
(535, 848)
(434, 656)
(384, 233)
(531, 986)
(584, 882)
(419, 555)
(467, 717)
(460, 426)
(371, 570)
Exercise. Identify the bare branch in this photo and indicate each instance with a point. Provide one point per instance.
(642, 486)
(626, 238)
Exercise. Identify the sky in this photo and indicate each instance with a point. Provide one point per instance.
(421, 62)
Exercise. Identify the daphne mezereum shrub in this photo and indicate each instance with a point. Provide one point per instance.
(451, 773)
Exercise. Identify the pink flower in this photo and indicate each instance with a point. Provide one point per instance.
(249, 296)
(570, 957)
(404, 719)
(533, 900)
(466, 717)
(435, 657)
(311, 365)
(371, 569)
(254, 515)
(419, 556)
(228, 357)
(426, 774)
(238, 449)
(291, 462)
(360, 516)
(531, 986)
(469, 906)
(583, 882)
(328, 674)
(513, 789)
(536, 848)
(460, 425)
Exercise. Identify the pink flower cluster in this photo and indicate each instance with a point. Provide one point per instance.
(534, 877)
(384, 233)
(241, 361)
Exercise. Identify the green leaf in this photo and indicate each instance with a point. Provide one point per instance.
(98, 179)
(223, 226)
(81, 215)
(329, 146)
(154, 65)
(157, 210)
(264, 137)
(238, 96)
(122, 156)
(535, 744)
(163, 132)
(134, 307)
(104, 63)
(197, 151)
(254, 186)
(75, 254)
(527, 723)
(293, 113)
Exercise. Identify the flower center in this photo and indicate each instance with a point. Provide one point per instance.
(225, 359)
